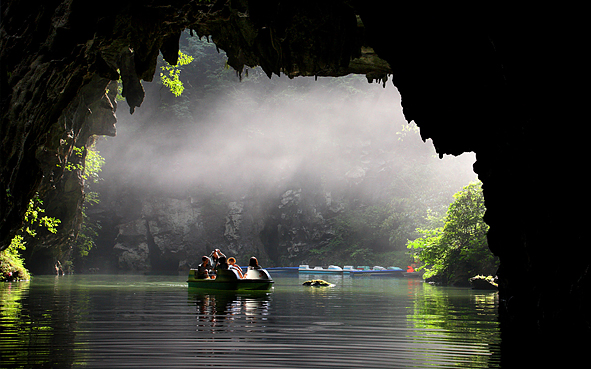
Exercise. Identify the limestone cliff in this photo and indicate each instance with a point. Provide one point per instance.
(168, 235)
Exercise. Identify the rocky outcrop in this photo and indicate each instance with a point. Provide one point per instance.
(170, 234)
(158, 236)
(496, 79)
(132, 246)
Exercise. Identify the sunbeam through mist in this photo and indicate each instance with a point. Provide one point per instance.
(272, 166)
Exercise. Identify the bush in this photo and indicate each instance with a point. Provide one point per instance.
(11, 263)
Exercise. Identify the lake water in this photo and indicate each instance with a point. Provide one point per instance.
(133, 321)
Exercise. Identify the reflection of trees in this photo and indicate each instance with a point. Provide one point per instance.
(11, 294)
(30, 318)
(226, 311)
(441, 316)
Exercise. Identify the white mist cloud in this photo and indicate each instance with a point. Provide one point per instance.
(259, 134)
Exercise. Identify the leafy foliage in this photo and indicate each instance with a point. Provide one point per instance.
(367, 235)
(457, 250)
(93, 164)
(34, 220)
(170, 74)
(11, 262)
(88, 233)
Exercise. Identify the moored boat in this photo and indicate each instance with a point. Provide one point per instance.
(255, 279)
(376, 271)
(332, 269)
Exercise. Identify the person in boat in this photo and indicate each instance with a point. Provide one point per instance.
(232, 266)
(215, 257)
(253, 263)
(253, 269)
(222, 263)
(203, 268)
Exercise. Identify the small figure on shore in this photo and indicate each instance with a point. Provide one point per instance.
(58, 268)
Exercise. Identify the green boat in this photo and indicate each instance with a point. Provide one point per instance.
(229, 280)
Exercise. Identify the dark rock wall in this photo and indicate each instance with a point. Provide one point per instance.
(490, 78)
(165, 234)
(509, 76)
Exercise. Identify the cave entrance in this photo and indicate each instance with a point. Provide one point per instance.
(500, 63)
(305, 170)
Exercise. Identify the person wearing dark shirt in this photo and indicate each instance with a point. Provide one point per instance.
(203, 268)
(222, 263)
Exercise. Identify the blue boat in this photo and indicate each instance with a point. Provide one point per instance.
(332, 269)
(375, 271)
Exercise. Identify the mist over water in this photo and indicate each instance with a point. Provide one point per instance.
(291, 170)
(264, 133)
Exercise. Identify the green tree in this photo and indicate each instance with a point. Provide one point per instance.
(364, 236)
(12, 265)
(455, 248)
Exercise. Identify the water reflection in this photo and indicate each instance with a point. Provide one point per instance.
(32, 333)
(131, 321)
(229, 311)
(11, 294)
(462, 330)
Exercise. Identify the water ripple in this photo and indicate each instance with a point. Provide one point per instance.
(151, 323)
